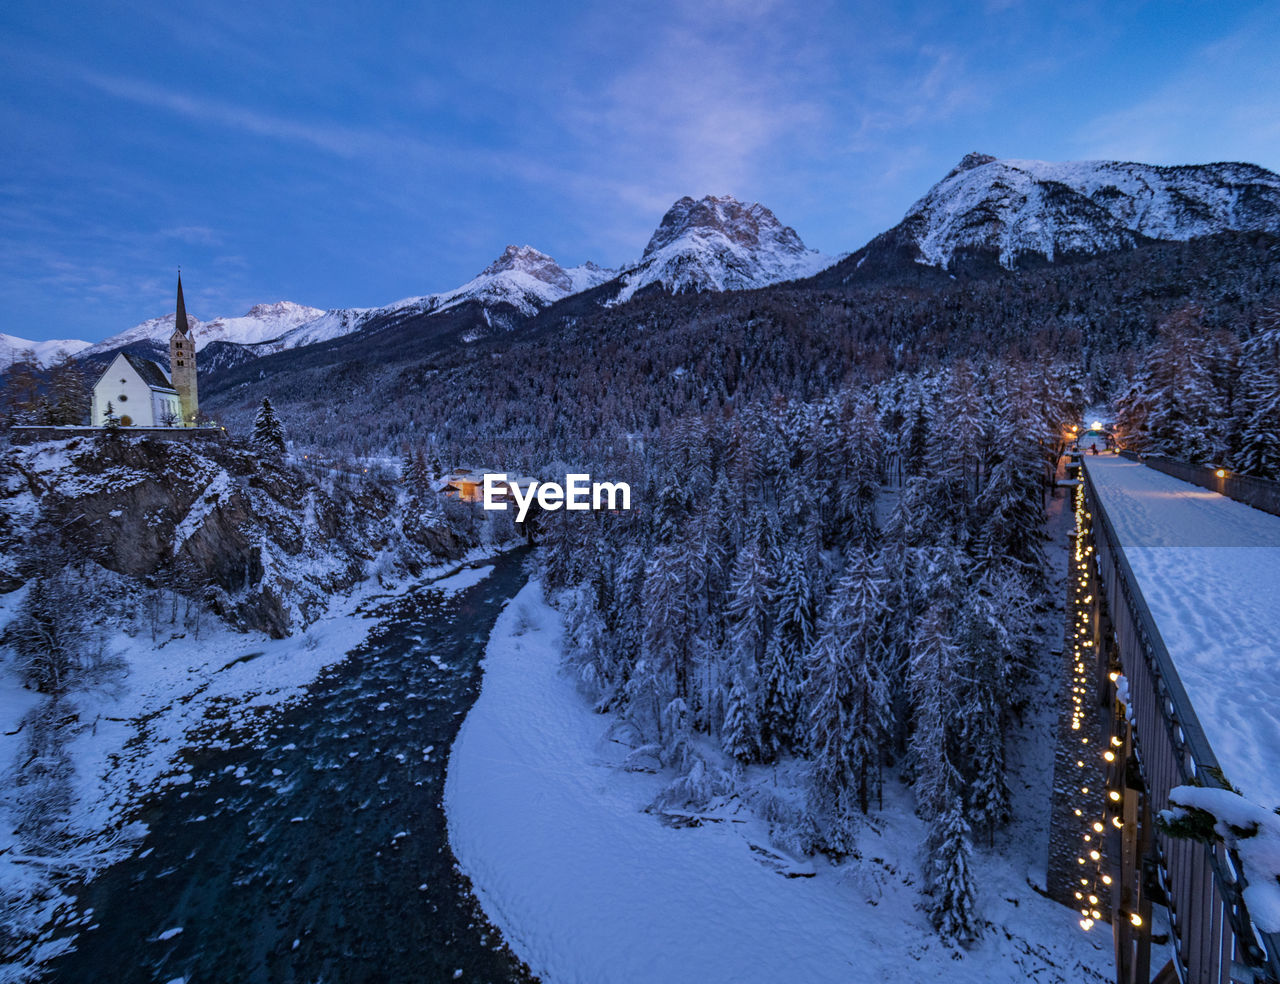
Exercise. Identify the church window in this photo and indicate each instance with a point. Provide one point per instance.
(179, 362)
(123, 398)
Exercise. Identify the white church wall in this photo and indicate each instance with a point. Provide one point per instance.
(165, 407)
(129, 396)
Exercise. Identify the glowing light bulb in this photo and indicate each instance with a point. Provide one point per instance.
(1097, 828)
(1106, 879)
(1095, 856)
(1135, 919)
(1109, 756)
(1113, 796)
(1113, 676)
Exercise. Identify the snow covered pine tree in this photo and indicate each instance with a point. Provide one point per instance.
(267, 440)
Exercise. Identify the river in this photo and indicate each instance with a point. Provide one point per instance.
(320, 852)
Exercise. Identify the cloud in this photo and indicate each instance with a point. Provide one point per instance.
(344, 141)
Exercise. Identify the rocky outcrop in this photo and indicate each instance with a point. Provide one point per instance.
(264, 544)
(719, 243)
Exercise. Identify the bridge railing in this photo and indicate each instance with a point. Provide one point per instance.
(1261, 493)
(1215, 940)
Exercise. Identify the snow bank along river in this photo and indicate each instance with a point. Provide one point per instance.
(588, 888)
(319, 853)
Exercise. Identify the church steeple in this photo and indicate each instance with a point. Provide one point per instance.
(182, 363)
(180, 321)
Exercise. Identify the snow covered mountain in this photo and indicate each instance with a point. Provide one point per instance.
(523, 280)
(720, 244)
(13, 348)
(259, 323)
(1014, 209)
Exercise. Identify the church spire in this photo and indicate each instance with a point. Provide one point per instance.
(180, 320)
(182, 362)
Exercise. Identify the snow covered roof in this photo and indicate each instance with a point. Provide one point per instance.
(151, 373)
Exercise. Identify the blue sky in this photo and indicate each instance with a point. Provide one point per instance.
(354, 155)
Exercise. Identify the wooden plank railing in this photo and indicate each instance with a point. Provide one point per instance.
(1215, 940)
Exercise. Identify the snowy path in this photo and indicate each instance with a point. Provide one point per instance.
(1209, 569)
(588, 889)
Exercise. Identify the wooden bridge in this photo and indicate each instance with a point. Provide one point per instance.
(1154, 635)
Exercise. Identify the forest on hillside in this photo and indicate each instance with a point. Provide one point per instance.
(840, 586)
(579, 382)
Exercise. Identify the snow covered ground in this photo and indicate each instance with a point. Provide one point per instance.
(587, 887)
(1209, 568)
(103, 747)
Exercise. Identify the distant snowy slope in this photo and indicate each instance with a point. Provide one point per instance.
(1017, 207)
(259, 323)
(13, 348)
(522, 278)
(720, 244)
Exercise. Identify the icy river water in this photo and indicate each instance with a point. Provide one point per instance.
(317, 853)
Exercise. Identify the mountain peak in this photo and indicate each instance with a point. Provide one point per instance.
(1011, 209)
(745, 225)
(720, 243)
(530, 261)
(282, 309)
(969, 161)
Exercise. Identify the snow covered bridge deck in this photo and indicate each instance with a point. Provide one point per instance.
(1209, 569)
(1191, 583)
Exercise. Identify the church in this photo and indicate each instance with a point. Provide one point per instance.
(137, 392)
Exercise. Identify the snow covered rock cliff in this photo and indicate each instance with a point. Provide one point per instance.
(720, 244)
(267, 544)
(1016, 209)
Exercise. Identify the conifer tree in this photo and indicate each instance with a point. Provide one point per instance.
(1008, 514)
(779, 706)
(748, 610)
(954, 907)
(741, 727)
(848, 698)
(931, 680)
(267, 438)
(1259, 376)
